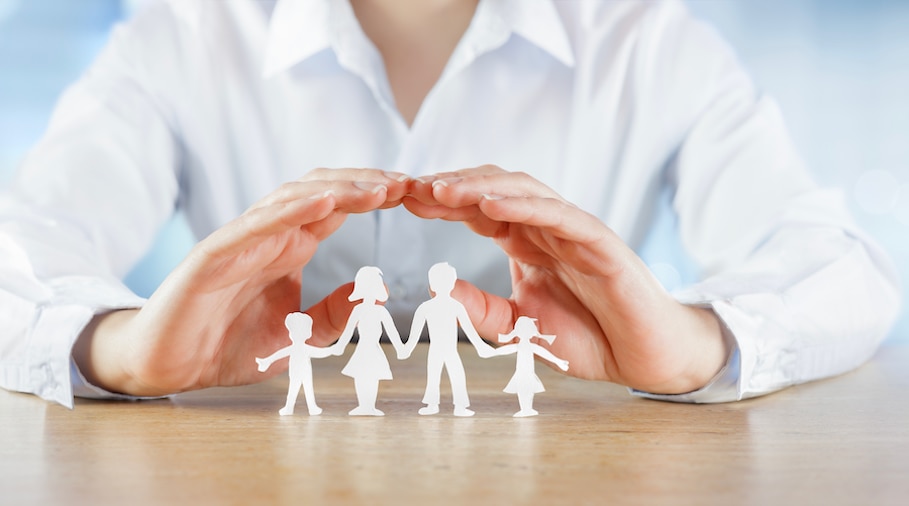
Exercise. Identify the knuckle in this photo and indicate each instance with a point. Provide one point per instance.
(315, 174)
(489, 170)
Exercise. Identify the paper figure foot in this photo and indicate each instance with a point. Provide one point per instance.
(429, 409)
(462, 411)
(526, 412)
(315, 411)
(361, 411)
(286, 411)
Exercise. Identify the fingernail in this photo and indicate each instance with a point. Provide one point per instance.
(491, 196)
(446, 182)
(322, 195)
(397, 176)
(370, 187)
(426, 179)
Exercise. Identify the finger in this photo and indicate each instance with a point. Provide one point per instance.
(438, 211)
(422, 202)
(526, 202)
(260, 222)
(457, 196)
(396, 183)
(347, 174)
(559, 231)
(320, 181)
(330, 315)
(490, 314)
(492, 183)
(421, 187)
(250, 228)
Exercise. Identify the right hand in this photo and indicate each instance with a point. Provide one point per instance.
(225, 303)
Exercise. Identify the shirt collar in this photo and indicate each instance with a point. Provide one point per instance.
(538, 22)
(301, 28)
(298, 29)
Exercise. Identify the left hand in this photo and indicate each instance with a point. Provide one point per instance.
(614, 320)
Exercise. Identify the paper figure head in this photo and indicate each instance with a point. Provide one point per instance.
(442, 278)
(368, 284)
(525, 328)
(299, 324)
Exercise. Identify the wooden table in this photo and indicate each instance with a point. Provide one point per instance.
(840, 441)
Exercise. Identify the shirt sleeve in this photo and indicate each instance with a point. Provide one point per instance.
(802, 292)
(84, 207)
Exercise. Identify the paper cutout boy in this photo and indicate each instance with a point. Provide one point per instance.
(442, 315)
(525, 382)
(299, 325)
(368, 365)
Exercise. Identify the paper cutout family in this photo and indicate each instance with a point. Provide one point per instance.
(442, 315)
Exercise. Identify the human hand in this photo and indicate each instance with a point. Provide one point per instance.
(579, 279)
(226, 302)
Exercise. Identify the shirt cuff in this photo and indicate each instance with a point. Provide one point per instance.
(82, 388)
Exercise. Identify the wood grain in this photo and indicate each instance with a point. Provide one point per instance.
(843, 440)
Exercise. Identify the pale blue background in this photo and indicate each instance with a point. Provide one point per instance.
(839, 68)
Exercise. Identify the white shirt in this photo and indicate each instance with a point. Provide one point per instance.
(208, 105)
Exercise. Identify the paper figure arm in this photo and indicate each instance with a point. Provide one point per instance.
(317, 352)
(265, 363)
(546, 354)
(484, 350)
(416, 330)
(505, 350)
(392, 332)
(347, 334)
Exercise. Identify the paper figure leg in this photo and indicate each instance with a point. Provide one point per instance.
(458, 380)
(292, 391)
(433, 384)
(525, 401)
(367, 391)
(314, 409)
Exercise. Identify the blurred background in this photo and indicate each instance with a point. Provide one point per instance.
(839, 68)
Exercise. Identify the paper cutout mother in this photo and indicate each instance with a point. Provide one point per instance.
(368, 365)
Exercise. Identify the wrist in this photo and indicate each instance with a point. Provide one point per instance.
(703, 354)
(98, 352)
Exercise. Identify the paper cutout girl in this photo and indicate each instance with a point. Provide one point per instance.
(368, 365)
(525, 382)
(299, 325)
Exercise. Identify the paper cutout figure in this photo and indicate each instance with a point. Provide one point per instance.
(368, 365)
(525, 382)
(442, 314)
(299, 326)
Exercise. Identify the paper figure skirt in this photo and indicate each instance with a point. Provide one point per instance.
(368, 362)
(524, 383)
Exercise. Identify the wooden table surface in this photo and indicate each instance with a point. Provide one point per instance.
(843, 440)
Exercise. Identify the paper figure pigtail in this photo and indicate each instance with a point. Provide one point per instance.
(525, 328)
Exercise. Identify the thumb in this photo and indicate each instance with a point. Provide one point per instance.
(329, 315)
(490, 314)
